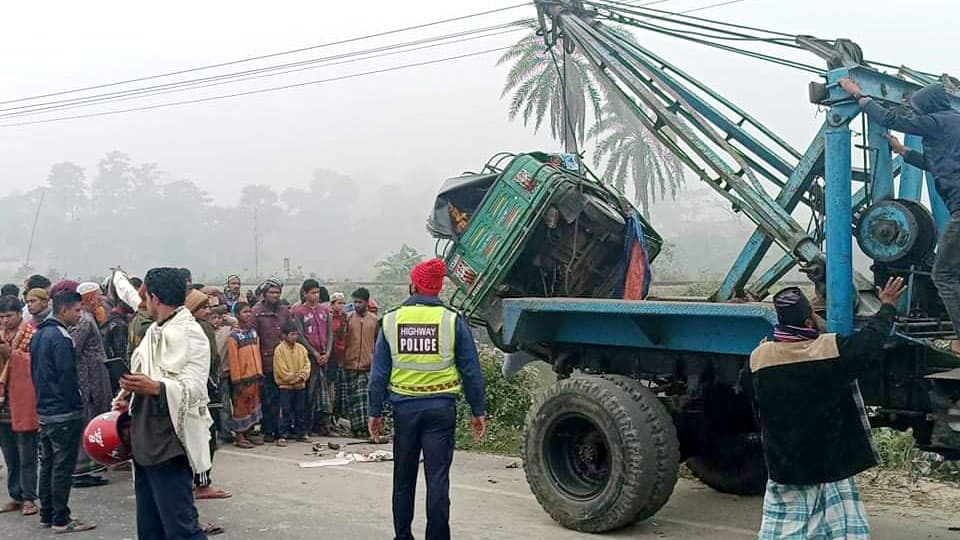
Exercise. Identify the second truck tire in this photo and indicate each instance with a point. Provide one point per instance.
(594, 454)
(736, 467)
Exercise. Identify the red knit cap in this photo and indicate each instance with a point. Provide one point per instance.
(428, 276)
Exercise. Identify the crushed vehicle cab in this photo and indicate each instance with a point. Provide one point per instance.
(533, 225)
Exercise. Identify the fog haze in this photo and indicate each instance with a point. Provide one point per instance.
(388, 140)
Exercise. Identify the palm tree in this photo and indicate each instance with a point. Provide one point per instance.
(630, 151)
(534, 80)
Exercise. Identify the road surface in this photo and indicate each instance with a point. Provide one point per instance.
(276, 500)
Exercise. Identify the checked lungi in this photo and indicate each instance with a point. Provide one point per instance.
(827, 511)
(351, 396)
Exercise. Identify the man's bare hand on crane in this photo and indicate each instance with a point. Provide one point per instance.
(892, 290)
(895, 145)
(849, 85)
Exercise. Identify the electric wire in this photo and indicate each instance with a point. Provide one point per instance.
(270, 55)
(90, 101)
(259, 91)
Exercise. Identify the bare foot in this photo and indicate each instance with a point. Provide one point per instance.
(955, 346)
(211, 492)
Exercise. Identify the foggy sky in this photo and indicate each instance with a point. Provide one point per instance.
(415, 126)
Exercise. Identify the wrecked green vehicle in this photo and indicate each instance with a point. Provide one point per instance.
(532, 225)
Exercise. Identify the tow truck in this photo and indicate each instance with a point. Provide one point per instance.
(535, 244)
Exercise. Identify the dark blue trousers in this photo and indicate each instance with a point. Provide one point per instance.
(270, 404)
(431, 431)
(293, 413)
(165, 509)
(58, 457)
(20, 452)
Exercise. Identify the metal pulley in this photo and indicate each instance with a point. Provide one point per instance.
(896, 231)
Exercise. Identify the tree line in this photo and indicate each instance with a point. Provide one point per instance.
(137, 215)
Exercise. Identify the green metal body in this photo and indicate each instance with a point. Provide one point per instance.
(501, 227)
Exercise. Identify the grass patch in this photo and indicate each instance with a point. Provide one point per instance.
(898, 453)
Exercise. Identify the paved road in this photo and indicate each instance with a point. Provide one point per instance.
(276, 500)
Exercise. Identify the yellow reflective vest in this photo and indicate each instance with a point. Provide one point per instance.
(422, 345)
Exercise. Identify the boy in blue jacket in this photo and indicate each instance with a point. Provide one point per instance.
(59, 410)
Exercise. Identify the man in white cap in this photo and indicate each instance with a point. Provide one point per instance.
(94, 376)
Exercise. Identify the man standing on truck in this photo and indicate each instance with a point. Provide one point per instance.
(814, 427)
(425, 356)
(931, 116)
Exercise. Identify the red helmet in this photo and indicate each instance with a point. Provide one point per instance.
(106, 438)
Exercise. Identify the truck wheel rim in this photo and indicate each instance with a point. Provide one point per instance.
(577, 455)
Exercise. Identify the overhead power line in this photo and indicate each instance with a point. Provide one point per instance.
(711, 6)
(259, 91)
(269, 71)
(270, 55)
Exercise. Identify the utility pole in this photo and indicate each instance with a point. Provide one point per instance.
(256, 245)
(33, 230)
(569, 135)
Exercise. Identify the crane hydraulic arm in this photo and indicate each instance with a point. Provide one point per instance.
(705, 131)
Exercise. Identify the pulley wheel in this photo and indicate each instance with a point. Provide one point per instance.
(896, 230)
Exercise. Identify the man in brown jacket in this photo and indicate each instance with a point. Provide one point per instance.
(362, 328)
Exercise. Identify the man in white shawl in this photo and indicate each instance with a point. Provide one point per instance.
(166, 394)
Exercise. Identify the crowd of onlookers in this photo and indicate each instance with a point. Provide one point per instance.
(279, 372)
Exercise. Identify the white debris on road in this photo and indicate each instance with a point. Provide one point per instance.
(346, 458)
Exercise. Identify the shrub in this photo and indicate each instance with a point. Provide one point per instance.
(507, 403)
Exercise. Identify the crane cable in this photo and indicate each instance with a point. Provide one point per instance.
(615, 16)
(782, 39)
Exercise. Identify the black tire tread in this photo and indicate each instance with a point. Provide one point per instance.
(665, 440)
(637, 453)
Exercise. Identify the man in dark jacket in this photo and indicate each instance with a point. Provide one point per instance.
(271, 316)
(59, 409)
(815, 430)
(930, 116)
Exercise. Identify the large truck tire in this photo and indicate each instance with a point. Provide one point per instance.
(591, 454)
(734, 466)
(666, 442)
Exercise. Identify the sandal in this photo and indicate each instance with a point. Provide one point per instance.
(73, 526)
(945, 346)
(29, 508)
(243, 443)
(210, 529)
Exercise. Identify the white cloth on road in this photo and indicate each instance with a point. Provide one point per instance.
(346, 458)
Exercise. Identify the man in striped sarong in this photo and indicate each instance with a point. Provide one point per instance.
(814, 426)
(362, 330)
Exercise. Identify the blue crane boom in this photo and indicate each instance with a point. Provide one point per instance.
(734, 153)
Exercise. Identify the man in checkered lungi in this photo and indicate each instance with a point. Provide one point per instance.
(362, 329)
(815, 430)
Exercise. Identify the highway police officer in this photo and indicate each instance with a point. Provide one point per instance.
(424, 358)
